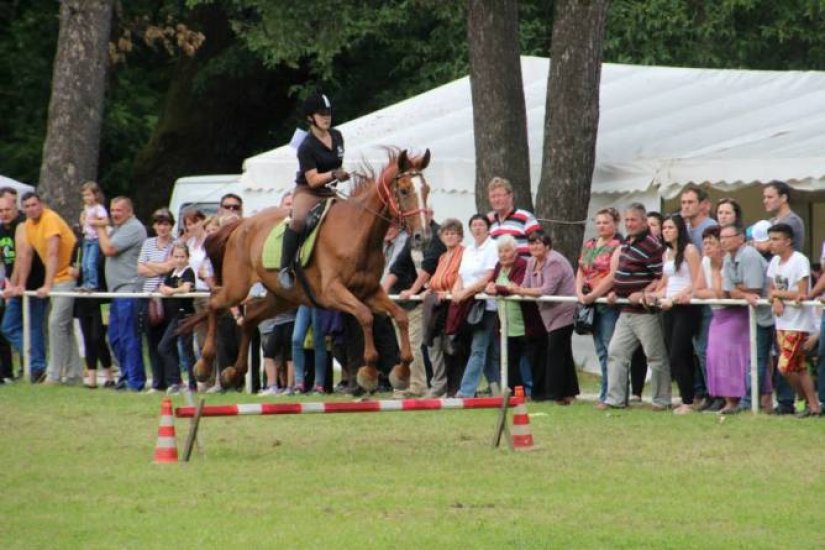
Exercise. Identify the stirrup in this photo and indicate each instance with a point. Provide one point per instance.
(286, 279)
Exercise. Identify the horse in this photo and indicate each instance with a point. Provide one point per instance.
(343, 273)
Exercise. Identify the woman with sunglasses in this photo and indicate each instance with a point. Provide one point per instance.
(320, 157)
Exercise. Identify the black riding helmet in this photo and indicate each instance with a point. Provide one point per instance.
(317, 104)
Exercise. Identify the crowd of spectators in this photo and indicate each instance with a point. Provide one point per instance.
(659, 264)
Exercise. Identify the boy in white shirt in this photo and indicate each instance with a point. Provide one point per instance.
(790, 273)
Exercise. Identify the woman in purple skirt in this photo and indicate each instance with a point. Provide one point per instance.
(728, 351)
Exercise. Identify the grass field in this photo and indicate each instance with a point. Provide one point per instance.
(77, 472)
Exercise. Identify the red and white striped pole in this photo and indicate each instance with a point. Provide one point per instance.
(384, 405)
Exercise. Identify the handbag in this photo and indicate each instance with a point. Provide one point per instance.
(155, 312)
(583, 319)
(476, 313)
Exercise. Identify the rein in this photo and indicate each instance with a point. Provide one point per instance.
(388, 200)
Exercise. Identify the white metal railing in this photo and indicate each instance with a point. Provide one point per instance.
(481, 296)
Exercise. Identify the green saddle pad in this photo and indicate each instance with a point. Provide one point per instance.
(271, 255)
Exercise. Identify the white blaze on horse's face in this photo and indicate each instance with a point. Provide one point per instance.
(420, 187)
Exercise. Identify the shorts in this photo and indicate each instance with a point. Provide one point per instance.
(277, 345)
(791, 355)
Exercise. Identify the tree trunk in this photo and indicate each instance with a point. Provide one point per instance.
(571, 121)
(70, 151)
(499, 113)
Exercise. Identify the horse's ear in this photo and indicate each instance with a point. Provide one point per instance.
(425, 160)
(403, 161)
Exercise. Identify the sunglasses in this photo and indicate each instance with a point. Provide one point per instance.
(233, 206)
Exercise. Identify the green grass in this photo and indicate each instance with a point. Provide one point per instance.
(77, 473)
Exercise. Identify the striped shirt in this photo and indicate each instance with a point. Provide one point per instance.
(518, 223)
(150, 253)
(640, 263)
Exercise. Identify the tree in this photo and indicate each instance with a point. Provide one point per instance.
(70, 151)
(499, 113)
(571, 121)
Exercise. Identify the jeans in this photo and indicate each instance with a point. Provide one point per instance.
(303, 318)
(13, 330)
(89, 260)
(604, 323)
(700, 349)
(484, 356)
(125, 340)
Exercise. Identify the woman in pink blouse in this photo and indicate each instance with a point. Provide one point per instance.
(593, 280)
(548, 273)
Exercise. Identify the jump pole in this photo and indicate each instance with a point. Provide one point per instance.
(382, 405)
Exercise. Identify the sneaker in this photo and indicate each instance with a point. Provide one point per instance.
(175, 389)
(298, 390)
(435, 394)
(782, 410)
(109, 384)
(714, 406)
(318, 390)
(38, 376)
(341, 387)
(215, 389)
(8, 380)
(270, 391)
(153, 390)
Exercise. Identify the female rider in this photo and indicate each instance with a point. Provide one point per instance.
(320, 157)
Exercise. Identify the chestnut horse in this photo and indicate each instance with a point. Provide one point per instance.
(344, 272)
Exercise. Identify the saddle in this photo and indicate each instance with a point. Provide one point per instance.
(271, 253)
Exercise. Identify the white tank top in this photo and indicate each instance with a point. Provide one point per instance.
(677, 281)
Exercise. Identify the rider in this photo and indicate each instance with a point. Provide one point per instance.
(320, 157)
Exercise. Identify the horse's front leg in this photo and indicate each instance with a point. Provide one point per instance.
(256, 311)
(400, 374)
(345, 301)
(204, 365)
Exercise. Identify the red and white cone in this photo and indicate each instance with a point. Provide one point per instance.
(166, 449)
(521, 435)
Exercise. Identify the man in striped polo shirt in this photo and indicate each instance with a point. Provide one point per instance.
(506, 219)
(637, 267)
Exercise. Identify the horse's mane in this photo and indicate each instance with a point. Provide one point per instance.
(215, 245)
(364, 178)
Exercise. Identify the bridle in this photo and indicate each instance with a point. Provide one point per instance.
(389, 195)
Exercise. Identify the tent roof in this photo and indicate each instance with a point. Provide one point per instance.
(659, 126)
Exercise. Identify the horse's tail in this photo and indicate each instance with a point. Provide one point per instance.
(215, 245)
(188, 324)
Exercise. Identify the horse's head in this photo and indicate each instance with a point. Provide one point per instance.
(411, 192)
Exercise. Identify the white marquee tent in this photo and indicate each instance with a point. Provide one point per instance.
(660, 129)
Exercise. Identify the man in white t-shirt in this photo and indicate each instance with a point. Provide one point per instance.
(790, 273)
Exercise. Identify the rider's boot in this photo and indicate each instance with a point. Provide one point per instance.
(288, 249)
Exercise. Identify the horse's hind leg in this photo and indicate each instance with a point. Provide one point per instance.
(345, 301)
(400, 374)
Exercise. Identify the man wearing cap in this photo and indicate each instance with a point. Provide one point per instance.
(24, 271)
(320, 157)
(122, 250)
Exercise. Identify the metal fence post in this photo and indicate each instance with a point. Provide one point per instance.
(27, 338)
(755, 389)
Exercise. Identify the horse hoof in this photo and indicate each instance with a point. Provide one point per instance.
(201, 373)
(400, 377)
(367, 378)
(228, 377)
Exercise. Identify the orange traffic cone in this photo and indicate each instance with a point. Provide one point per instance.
(522, 437)
(166, 449)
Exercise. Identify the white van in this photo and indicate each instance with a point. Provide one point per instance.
(203, 193)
